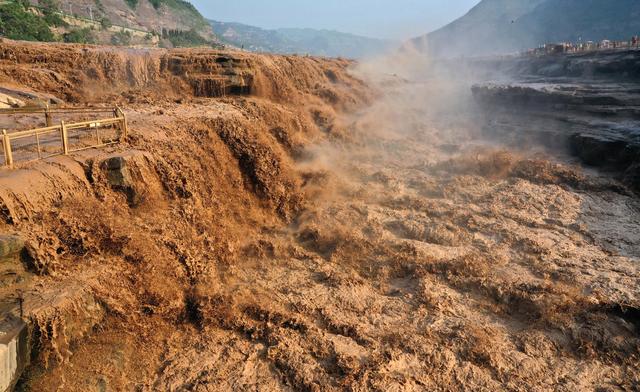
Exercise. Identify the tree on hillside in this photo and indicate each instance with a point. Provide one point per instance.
(80, 36)
(121, 38)
(184, 38)
(133, 4)
(51, 12)
(105, 23)
(16, 22)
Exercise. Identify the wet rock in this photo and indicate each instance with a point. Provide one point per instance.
(632, 176)
(587, 102)
(564, 94)
(17, 97)
(12, 270)
(10, 245)
(119, 171)
(131, 173)
(14, 351)
(214, 76)
(600, 151)
(556, 69)
(102, 384)
(596, 64)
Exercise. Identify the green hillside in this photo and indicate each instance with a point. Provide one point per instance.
(148, 23)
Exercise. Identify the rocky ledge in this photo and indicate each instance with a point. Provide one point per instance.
(589, 103)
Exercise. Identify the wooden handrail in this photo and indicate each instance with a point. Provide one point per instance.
(52, 110)
(32, 132)
(83, 124)
(120, 119)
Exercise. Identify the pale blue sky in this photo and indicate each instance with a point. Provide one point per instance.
(396, 19)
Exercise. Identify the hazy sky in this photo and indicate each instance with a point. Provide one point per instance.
(397, 19)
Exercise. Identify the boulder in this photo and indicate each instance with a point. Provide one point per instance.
(602, 151)
(130, 174)
(7, 101)
(117, 171)
(632, 176)
(10, 245)
(119, 177)
(14, 352)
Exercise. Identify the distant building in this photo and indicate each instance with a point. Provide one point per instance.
(557, 48)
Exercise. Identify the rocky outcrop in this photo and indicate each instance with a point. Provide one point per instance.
(213, 77)
(127, 77)
(603, 150)
(589, 103)
(10, 245)
(614, 64)
(14, 351)
(129, 173)
(632, 175)
(589, 97)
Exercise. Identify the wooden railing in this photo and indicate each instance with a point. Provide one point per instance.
(60, 132)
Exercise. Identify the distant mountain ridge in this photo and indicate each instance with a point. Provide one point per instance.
(503, 26)
(301, 41)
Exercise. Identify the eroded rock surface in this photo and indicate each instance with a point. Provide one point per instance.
(589, 102)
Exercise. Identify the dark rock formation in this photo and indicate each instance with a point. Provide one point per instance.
(587, 102)
(10, 245)
(128, 173)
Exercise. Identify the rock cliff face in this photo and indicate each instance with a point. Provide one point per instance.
(140, 14)
(622, 65)
(214, 133)
(588, 102)
(120, 75)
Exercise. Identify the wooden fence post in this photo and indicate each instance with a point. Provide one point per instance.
(124, 128)
(47, 116)
(8, 156)
(63, 134)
